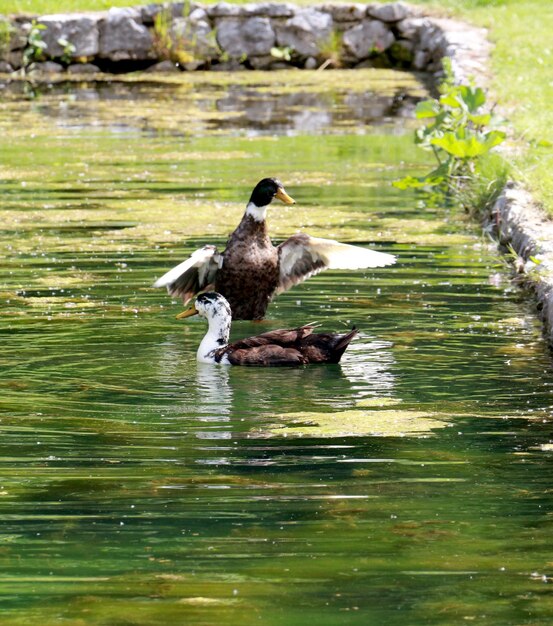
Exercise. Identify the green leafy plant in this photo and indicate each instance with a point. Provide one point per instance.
(282, 53)
(36, 46)
(458, 131)
(168, 44)
(68, 50)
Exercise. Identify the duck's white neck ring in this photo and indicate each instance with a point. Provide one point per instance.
(258, 213)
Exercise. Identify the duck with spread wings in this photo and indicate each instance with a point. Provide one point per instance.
(251, 270)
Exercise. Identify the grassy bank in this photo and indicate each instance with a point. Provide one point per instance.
(61, 6)
(522, 79)
(522, 64)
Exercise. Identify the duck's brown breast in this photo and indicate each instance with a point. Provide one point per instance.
(249, 275)
(248, 279)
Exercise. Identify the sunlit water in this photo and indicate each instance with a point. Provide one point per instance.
(411, 484)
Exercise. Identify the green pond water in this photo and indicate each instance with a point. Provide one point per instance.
(410, 484)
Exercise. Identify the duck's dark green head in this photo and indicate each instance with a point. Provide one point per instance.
(268, 189)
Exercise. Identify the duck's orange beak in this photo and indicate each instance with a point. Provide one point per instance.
(188, 313)
(284, 197)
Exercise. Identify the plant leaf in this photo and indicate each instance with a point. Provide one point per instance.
(470, 146)
(494, 138)
(480, 120)
(473, 98)
(427, 108)
(450, 99)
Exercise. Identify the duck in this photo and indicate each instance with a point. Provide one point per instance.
(251, 271)
(290, 346)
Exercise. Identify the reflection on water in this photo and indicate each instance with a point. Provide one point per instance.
(368, 367)
(410, 484)
(214, 393)
(315, 105)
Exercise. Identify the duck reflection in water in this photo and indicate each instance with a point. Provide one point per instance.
(222, 402)
(239, 393)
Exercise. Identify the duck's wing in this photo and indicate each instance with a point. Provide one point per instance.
(302, 256)
(267, 356)
(193, 275)
(284, 337)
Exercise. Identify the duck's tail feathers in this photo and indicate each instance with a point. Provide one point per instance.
(342, 343)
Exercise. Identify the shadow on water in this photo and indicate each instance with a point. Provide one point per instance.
(410, 484)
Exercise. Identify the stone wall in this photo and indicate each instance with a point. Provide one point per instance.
(187, 36)
(520, 223)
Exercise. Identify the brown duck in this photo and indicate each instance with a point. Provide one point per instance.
(293, 346)
(251, 270)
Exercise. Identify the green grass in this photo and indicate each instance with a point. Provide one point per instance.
(522, 64)
(42, 7)
(522, 79)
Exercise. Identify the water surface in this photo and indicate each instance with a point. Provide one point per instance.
(411, 484)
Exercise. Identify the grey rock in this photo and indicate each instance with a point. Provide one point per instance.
(263, 62)
(48, 67)
(83, 68)
(468, 48)
(367, 38)
(253, 36)
(123, 37)
(347, 12)
(411, 27)
(149, 12)
(198, 15)
(15, 59)
(282, 65)
(393, 12)
(523, 224)
(310, 63)
(5, 68)
(164, 67)
(224, 9)
(177, 9)
(181, 9)
(269, 9)
(24, 26)
(228, 66)
(80, 30)
(431, 37)
(342, 27)
(305, 32)
(421, 59)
